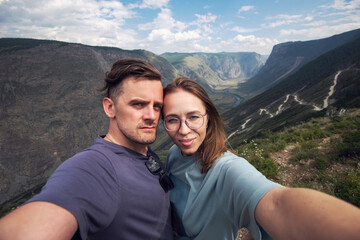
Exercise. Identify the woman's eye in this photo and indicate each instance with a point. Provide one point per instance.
(192, 117)
(172, 120)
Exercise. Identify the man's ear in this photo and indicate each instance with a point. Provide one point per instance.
(109, 107)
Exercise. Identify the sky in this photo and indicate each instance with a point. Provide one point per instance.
(186, 26)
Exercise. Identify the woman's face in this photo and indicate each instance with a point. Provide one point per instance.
(183, 105)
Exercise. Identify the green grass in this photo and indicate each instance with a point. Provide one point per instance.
(347, 187)
(323, 142)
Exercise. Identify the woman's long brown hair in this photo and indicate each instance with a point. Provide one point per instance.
(214, 144)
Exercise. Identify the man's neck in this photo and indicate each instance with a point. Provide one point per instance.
(140, 148)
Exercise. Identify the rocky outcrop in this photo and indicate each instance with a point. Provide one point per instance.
(212, 69)
(287, 58)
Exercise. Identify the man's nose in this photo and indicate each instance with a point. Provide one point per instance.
(151, 113)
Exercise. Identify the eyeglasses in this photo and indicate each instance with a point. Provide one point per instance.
(193, 121)
(155, 168)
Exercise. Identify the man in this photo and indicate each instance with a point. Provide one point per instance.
(108, 191)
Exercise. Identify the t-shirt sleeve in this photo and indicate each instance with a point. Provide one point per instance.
(242, 186)
(86, 186)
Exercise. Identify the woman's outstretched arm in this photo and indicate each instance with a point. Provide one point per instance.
(298, 213)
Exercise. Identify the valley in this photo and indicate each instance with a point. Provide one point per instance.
(51, 109)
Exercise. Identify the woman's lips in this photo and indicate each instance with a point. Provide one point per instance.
(187, 142)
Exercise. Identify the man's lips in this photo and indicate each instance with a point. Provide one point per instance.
(148, 127)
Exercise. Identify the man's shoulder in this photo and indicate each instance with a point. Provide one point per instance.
(89, 156)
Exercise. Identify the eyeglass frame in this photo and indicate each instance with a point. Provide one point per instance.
(202, 116)
(156, 169)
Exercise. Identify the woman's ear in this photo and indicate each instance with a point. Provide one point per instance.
(109, 107)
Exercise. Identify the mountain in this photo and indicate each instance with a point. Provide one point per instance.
(287, 58)
(331, 81)
(50, 108)
(212, 69)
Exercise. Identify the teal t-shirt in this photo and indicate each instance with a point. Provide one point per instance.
(217, 204)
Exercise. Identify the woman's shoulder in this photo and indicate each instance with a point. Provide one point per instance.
(229, 157)
(231, 161)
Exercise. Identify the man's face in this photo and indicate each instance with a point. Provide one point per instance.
(137, 112)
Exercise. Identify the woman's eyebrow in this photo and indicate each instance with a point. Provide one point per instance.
(172, 115)
(193, 112)
(188, 113)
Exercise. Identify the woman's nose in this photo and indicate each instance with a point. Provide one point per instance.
(184, 128)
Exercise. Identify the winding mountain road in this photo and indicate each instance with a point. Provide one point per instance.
(296, 98)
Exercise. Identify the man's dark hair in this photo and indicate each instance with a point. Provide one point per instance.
(127, 67)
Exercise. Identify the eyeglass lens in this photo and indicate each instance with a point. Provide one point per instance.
(194, 121)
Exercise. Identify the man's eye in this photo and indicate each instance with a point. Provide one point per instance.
(157, 108)
(137, 104)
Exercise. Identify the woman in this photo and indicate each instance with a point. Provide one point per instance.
(216, 192)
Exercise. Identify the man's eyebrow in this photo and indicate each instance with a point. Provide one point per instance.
(137, 100)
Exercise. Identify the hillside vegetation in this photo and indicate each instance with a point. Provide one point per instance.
(322, 153)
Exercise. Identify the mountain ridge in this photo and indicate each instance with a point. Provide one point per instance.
(287, 58)
(214, 68)
(307, 93)
(51, 110)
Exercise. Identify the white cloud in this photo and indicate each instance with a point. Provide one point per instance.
(201, 19)
(242, 29)
(171, 35)
(84, 21)
(155, 3)
(315, 23)
(204, 23)
(127, 25)
(246, 9)
(319, 32)
(168, 37)
(285, 19)
(246, 43)
(164, 20)
(152, 4)
(343, 4)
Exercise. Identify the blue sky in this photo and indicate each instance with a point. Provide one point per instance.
(179, 25)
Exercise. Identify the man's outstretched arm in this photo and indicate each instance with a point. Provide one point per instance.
(38, 220)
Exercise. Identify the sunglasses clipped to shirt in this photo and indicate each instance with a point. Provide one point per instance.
(155, 168)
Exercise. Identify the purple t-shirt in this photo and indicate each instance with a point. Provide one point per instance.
(111, 193)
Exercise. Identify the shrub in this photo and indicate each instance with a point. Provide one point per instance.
(265, 165)
(347, 187)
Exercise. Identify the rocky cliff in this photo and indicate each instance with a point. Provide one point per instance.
(287, 58)
(212, 69)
